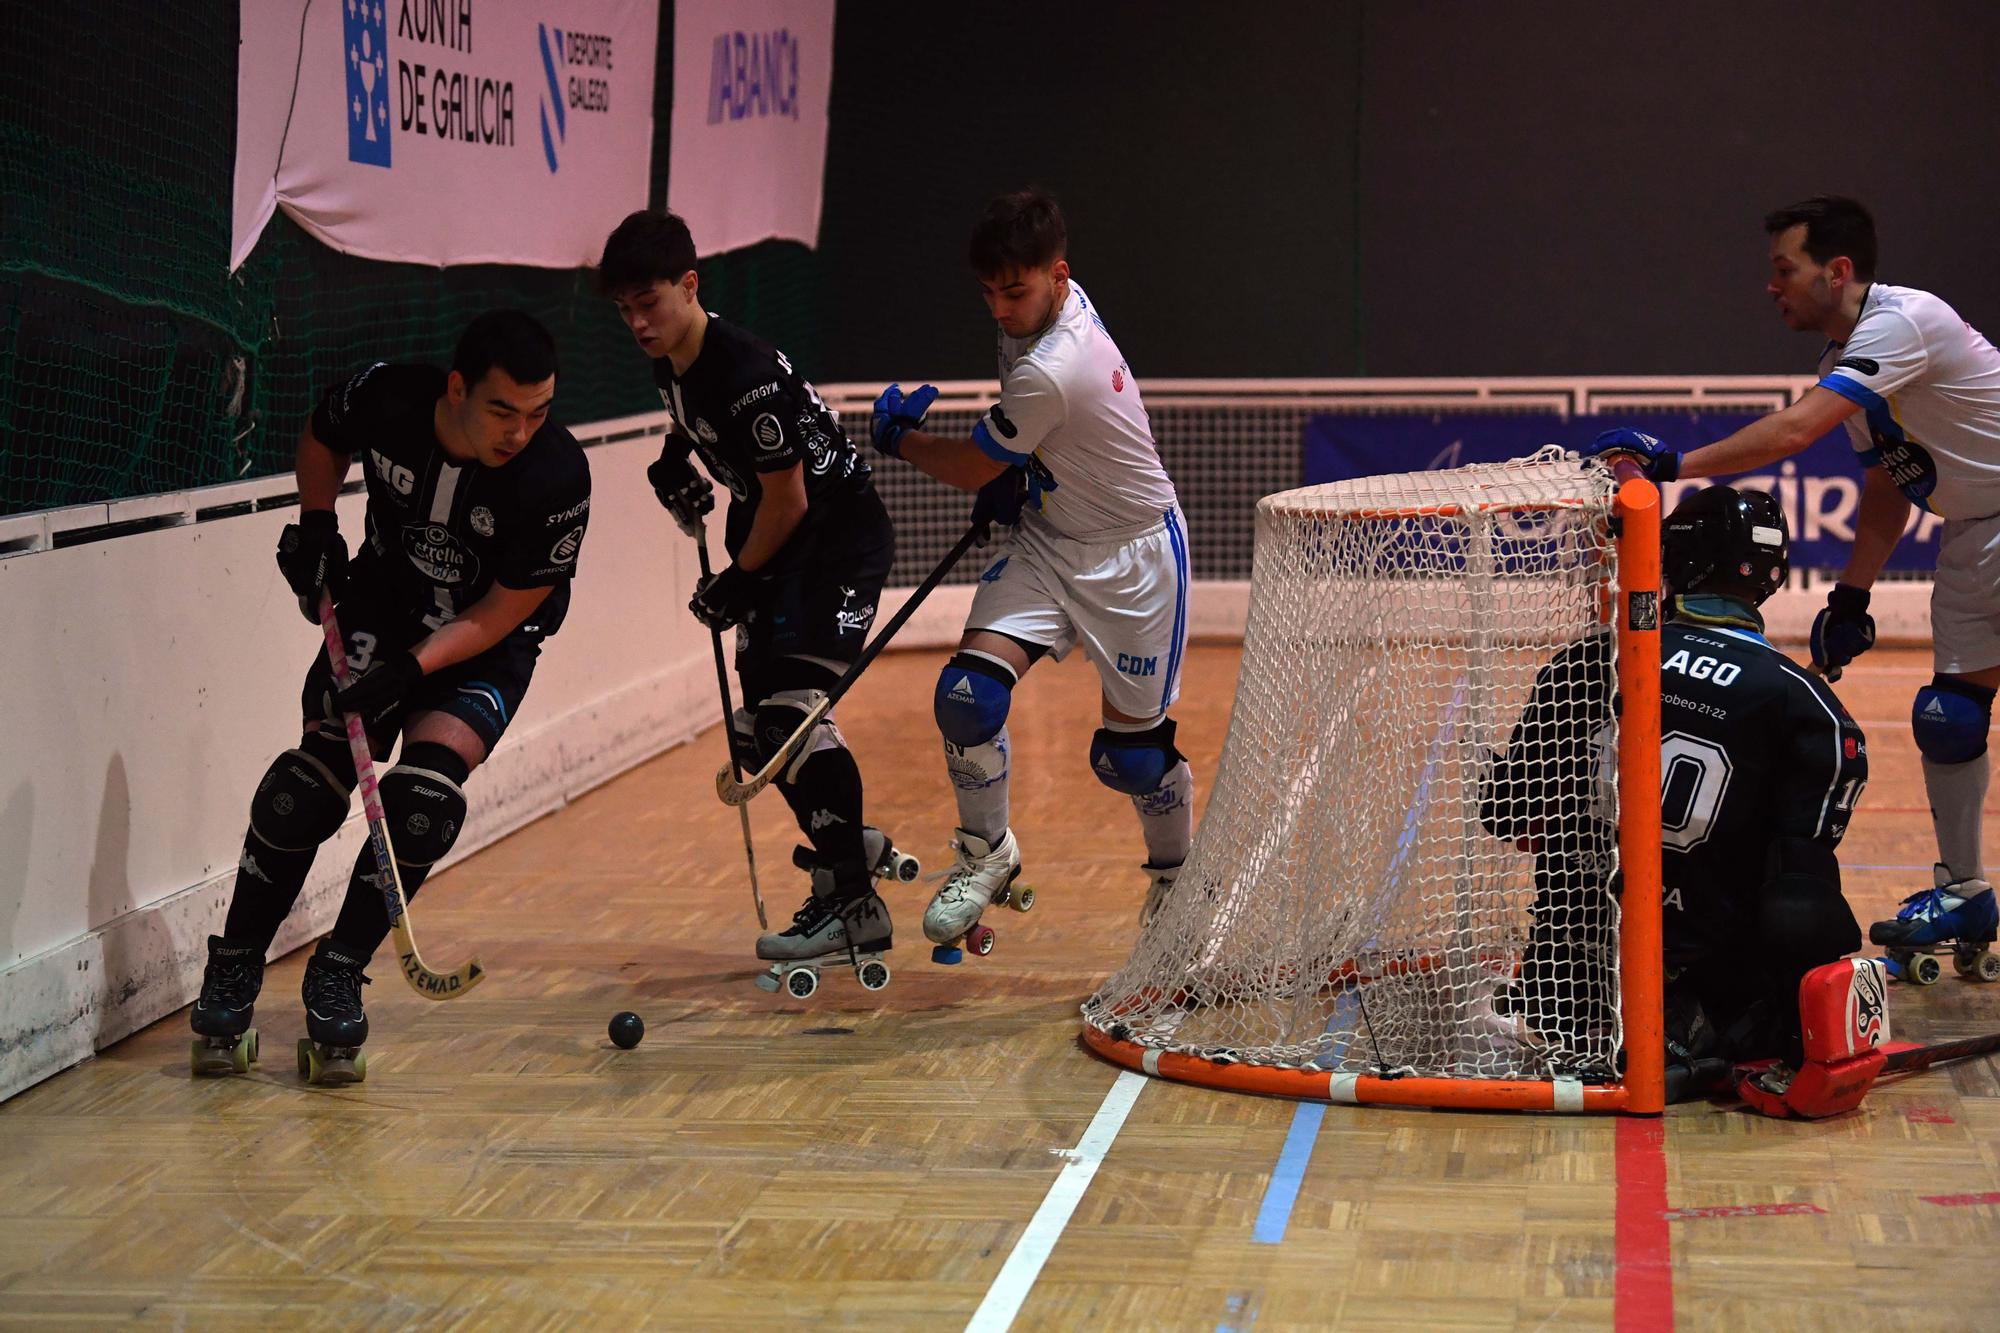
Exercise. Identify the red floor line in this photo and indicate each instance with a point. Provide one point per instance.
(1645, 1274)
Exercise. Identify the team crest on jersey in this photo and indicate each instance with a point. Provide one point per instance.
(705, 432)
(442, 557)
(564, 551)
(767, 431)
(482, 520)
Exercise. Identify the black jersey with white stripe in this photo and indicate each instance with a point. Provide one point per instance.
(747, 411)
(1753, 748)
(440, 532)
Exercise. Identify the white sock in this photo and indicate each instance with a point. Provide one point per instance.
(1166, 817)
(1957, 792)
(979, 772)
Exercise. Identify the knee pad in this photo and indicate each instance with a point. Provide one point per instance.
(974, 692)
(1134, 762)
(424, 802)
(777, 718)
(302, 800)
(1950, 718)
(1801, 914)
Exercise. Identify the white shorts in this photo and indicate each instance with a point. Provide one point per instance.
(1965, 599)
(1123, 596)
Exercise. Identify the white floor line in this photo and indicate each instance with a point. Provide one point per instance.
(1017, 1276)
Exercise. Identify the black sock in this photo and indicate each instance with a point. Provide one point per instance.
(363, 922)
(826, 800)
(268, 881)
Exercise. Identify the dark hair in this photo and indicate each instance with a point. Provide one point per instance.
(647, 247)
(513, 340)
(1018, 231)
(1835, 225)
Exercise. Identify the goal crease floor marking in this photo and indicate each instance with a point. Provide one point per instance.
(1024, 1264)
(1643, 1292)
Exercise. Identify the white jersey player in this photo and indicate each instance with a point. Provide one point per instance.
(1919, 391)
(1096, 555)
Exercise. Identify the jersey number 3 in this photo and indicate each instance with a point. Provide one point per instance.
(1694, 777)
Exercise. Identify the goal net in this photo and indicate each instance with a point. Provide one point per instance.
(1417, 877)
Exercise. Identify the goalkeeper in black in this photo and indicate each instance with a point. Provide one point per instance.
(1761, 768)
(477, 505)
(809, 544)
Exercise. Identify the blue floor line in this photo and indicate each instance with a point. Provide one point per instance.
(1283, 1191)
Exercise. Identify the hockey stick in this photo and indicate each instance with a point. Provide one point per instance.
(729, 738)
(1909, 1058)
(735, 792)
(423, 980)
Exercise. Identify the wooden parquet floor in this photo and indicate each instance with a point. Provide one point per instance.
(871, 1159)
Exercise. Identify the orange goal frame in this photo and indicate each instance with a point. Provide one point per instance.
(1642, 1090)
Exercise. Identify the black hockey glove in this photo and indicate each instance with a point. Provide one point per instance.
(1843, 630)
(379, 692)
(686, 494)
(312, 556)
(999, 502)
(724, 599)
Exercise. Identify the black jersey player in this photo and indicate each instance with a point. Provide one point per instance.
(477, 505)
(1761, 768)
(810, 546)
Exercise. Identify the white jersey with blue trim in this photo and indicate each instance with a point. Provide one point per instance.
(1929, 386)
(1069, 412)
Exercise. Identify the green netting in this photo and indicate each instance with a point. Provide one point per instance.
(133, 362)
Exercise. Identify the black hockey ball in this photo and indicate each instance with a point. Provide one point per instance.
(626, 1029)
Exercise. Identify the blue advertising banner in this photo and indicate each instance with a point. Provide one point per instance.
(1819, 489)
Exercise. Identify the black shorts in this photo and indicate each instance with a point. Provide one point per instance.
(484, 692)
(821, 600)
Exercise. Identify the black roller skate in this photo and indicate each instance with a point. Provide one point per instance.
(336, 1025)
(225, 1043)
(844, 921)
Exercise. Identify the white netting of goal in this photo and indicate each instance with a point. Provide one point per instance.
(1417, 644)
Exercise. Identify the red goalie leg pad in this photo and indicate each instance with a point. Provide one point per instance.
(1843, 1009)
(1822, 1088)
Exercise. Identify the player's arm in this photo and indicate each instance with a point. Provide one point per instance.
(321, 470)
(1878, 526)
(1769, 439)
(312, 555)
(780, 509)
(487, 621)
(1030, 409)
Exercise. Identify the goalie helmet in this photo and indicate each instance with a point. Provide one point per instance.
(1722, 540)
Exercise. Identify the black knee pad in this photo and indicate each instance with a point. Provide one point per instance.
(1803, 918)
(302, 799)
(424, 802)
(1134, 762)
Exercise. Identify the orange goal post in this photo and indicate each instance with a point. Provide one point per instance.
(1429, 870)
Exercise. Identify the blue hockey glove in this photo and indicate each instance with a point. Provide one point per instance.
(1659, 462)
(897, 414)
(1842, 631)
(999, 502)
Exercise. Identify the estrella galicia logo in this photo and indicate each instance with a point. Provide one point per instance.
(1909, 465)
(554, 99)
(364, 31)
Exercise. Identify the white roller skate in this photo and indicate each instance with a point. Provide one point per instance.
(1956, 917)
(984, 873)
(835, 926)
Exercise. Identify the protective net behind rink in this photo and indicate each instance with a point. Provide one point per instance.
(1406, 865)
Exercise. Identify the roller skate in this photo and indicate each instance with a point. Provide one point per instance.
(336, 1025)
(1160, 890)
(1957, 917)
(225, 1043)
(984, 874)
(843, 921)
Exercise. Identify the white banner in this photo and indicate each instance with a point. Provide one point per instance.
(748, 154)
(445, 131)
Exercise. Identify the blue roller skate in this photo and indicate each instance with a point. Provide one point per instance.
(1957, 917)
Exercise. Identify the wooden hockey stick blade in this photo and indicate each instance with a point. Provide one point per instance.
(424, 980)
(734, 792)
(738, 792)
